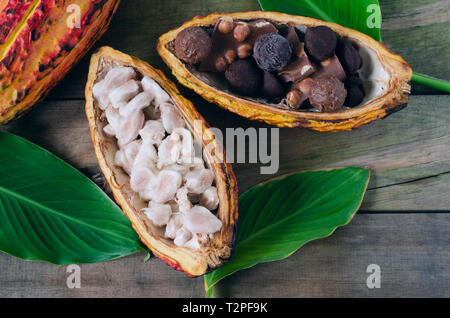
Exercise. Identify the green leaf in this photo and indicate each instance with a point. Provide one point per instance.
(278, 217)
(51, 212)
(362, 15)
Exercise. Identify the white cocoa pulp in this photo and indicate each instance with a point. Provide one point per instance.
(156, 150)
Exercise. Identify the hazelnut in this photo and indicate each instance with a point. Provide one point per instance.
(241, 32)
(294, 99)
(221, 65)
(225, 25)
(244, 51)
(230, 56)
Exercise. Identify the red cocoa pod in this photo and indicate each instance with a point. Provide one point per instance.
(29, 66)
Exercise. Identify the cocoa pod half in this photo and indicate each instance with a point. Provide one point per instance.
(40, 41)
(387, 76)
(218, 247)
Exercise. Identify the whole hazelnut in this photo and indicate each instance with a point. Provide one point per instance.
(225, 25)
(244, 51)
(230, 56)
(221, 65)
(241, 32)
(294, 99)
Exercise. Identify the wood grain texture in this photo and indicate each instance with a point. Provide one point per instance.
(410, 31)
(408, 152)
(412, 251)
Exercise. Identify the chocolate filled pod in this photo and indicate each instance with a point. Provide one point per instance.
(218, 248)
(386, 78)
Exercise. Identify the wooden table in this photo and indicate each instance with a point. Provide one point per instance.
(403, 225)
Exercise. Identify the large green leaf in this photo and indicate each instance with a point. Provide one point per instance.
(362, 15)
(49, 211)
(278, 217)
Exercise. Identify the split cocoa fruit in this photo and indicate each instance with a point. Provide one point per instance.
(183, 206)
(291, 49)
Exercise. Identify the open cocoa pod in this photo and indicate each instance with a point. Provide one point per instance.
(385, 75)
(38, 46)
(143, 131)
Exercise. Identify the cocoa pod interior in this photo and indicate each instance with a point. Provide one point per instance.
(219, 248)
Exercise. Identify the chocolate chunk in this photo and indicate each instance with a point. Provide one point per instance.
(193, 45)
(355, 80)
(349, 57)
(355, 91)
(299, 69)
(292, 37)
(331, 67)
(244, 77)
(320, 42)
(328, 94)
(272, 52)
(272, 87)
(223, 42)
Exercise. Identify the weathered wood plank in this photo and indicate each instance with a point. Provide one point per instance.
(408, 153)
(136, 27)
(412, 251)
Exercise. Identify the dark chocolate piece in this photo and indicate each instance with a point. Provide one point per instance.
(299, 69)
(272, 88)
(349, 57)
(355, 80)
(272, 52)
(292, 37)
(193, 45)
(328, 94)
(355, 91)
(331, 67)
(244, 77)
(224, 40)
(320, 42)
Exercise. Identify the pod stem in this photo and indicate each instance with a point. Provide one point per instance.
(432, 82)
